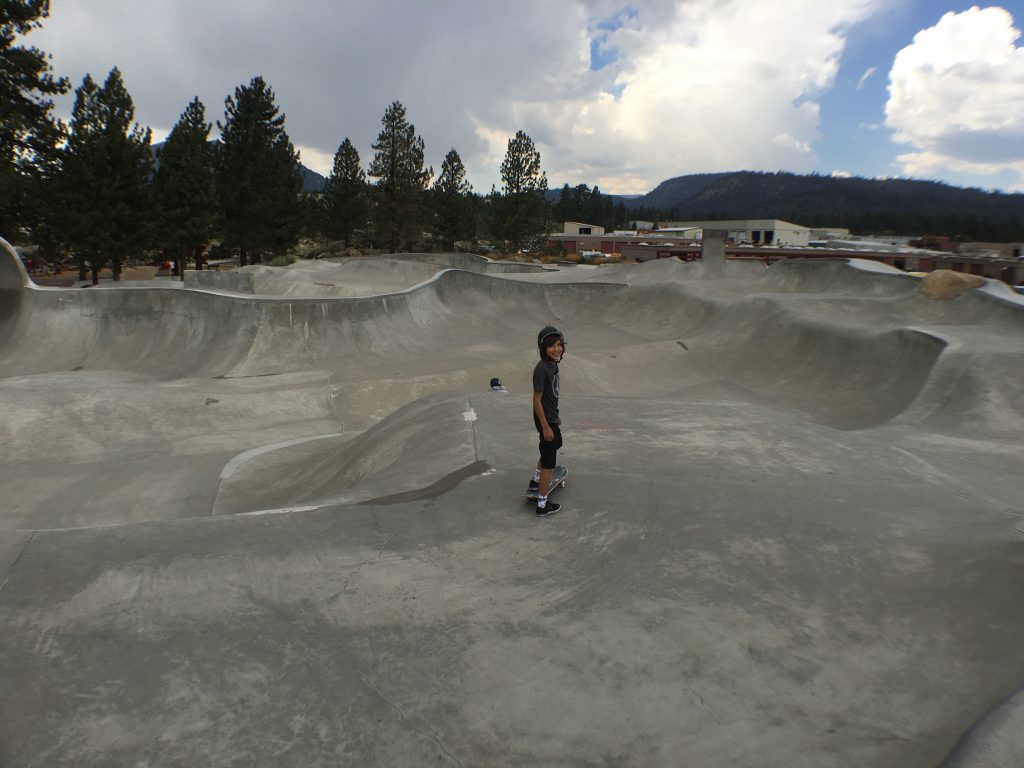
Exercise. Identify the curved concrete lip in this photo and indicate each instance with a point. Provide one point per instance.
(289, 529)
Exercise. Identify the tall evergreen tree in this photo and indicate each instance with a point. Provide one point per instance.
(398, 166)
(454, 217)
(185, 189)
(522, 211)
(345, 204)
(590, 206)
(104, 179)
(564, 209)
(599, 209)
(311, 216)
(621, 215)
(29, 135)
(258, 176)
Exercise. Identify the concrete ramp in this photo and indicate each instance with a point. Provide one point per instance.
(263, 520)
(410, 452)
(313, 279)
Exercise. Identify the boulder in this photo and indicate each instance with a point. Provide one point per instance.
(947, 284)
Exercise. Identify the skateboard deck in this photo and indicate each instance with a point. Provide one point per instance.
(558, 475)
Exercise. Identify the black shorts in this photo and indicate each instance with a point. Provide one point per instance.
(548, 448)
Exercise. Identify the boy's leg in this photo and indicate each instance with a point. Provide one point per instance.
(545, 481)
(548, 456)
(535, 480)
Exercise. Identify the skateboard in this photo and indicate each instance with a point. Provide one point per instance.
(558, 475)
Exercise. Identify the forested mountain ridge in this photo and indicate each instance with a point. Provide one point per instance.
(906, 206)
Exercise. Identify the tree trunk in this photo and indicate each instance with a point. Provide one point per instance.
(115, 268)
(243, 256)
(81, 268)
(95, 266)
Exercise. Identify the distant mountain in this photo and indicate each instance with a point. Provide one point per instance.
(669, 193)
(864, 205)
(747, 194)
(311, 180)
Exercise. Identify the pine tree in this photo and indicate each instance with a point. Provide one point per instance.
(29, 135)
(522, 211)
(599, 209)
(564, 210)
(185, 188)
(105, 170)
(620, 215)
(580, 195)
(311, 216)
(453, 205)
(258, 176)
(401, 180)
(345, 205)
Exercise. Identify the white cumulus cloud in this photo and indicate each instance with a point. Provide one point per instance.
(956, 95)
(701, 86)
(686, 85)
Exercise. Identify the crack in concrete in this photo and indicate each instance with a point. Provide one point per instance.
(350, 579)
(405, 720)
(14, 564)
(355, 572)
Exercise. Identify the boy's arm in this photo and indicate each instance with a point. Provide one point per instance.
(538, 411)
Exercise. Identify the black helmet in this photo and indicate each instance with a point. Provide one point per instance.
(548, 330)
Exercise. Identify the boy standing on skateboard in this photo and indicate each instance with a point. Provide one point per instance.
(551, 345)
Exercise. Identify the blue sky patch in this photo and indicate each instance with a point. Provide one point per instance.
(601, 55)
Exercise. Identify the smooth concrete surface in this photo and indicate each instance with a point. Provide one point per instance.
(285, 528)
(348, 277)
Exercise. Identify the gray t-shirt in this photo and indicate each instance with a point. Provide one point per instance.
(545, 381)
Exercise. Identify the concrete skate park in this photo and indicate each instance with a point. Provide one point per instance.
(275, 517)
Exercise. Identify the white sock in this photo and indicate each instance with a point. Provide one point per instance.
(542, 501)
(536, 475)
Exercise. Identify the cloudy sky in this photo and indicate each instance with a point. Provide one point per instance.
(619, 95)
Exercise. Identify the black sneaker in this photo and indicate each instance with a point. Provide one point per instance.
(534, 485)
(548, 509)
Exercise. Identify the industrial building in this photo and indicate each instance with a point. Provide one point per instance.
(665, 238)
(773, 232)
(586, 239)
(771, 240)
